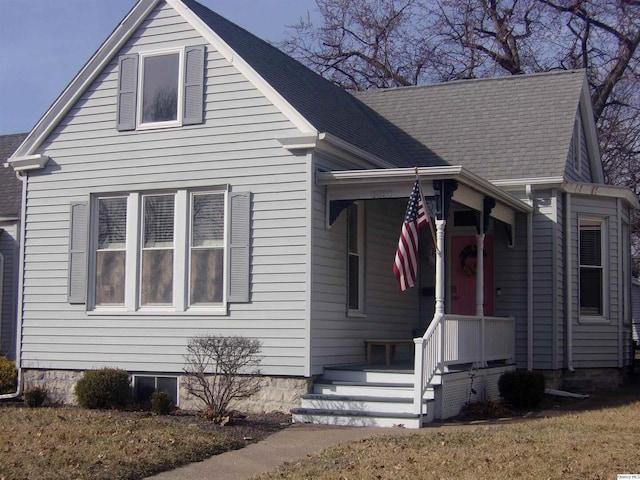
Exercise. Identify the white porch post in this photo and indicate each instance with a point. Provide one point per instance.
(480, 275)
(480, 289)
(440, 227)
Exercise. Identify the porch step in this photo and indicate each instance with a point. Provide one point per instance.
(357, 403)
(365, 396)
(364, 389)
(370, 375)
(356, 418)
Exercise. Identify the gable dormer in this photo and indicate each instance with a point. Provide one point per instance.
(584, 164)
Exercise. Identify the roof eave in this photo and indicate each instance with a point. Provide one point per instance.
(27, 163)
(601, 190)
(454, 172)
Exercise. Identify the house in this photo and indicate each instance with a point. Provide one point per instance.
(10, 196)
(193, 179)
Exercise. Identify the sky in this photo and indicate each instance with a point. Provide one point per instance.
(45, 43)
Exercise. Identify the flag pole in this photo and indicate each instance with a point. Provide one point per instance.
(428, 212)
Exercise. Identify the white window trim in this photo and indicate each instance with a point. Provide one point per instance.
(360, 311)
(179, 110)
(133, 265)
(604, 236)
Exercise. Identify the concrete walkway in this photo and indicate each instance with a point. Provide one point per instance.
(292, 443)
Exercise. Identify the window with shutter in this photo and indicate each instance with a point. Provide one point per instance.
(161, 88)
(139, 241)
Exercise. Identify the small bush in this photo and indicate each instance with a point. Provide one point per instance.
(35, 397)
(222, 370)
(522, 389)
(8, 375)
(104, 388)
(161, 403)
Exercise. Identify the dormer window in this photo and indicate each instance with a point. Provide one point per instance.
(161, 89)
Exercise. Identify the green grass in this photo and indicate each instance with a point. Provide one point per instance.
(71, 443)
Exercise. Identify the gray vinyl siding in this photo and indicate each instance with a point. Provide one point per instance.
(595, 344)
(511, 279)
(635, 309)
(584, 173)
(9, 250)
(337, 338)
(234, 146)
(559, 287)
(544, 221)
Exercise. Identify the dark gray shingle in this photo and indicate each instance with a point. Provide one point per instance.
(10, 186)
(499, 128)
(327, 107)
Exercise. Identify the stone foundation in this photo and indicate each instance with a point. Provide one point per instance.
(59, 384)
(279, 394)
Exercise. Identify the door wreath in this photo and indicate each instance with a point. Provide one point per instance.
(467, 266)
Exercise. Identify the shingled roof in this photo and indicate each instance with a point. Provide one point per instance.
(326, 106)
(499, 128)
(10, 186)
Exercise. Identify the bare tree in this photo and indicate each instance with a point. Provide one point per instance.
(220, 371)
(363, 44)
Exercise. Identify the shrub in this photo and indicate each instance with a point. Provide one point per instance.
(104, 388)
(221, 370)
(161, 403)
(35, 397)
(522, 389)
(8, 375)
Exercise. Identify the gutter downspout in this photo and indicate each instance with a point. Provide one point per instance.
(19, 309)
(531, 202)
(568, 261)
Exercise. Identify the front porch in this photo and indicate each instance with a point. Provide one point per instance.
(463, 331)
(459, 359)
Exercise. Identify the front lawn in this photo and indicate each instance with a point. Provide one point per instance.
(72, 443)
(595, 444)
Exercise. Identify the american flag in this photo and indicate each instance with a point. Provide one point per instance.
(405, 266)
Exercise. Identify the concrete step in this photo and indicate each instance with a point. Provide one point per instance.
(355, 418)
(370, 375)
(361, 403)
(399, 390)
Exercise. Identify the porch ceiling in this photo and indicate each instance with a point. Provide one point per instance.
(397, 183)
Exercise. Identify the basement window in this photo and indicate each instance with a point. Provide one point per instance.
(145, 385)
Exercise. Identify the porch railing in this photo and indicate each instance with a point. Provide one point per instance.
(460, 339)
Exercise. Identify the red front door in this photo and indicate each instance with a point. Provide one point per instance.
(464, 275)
